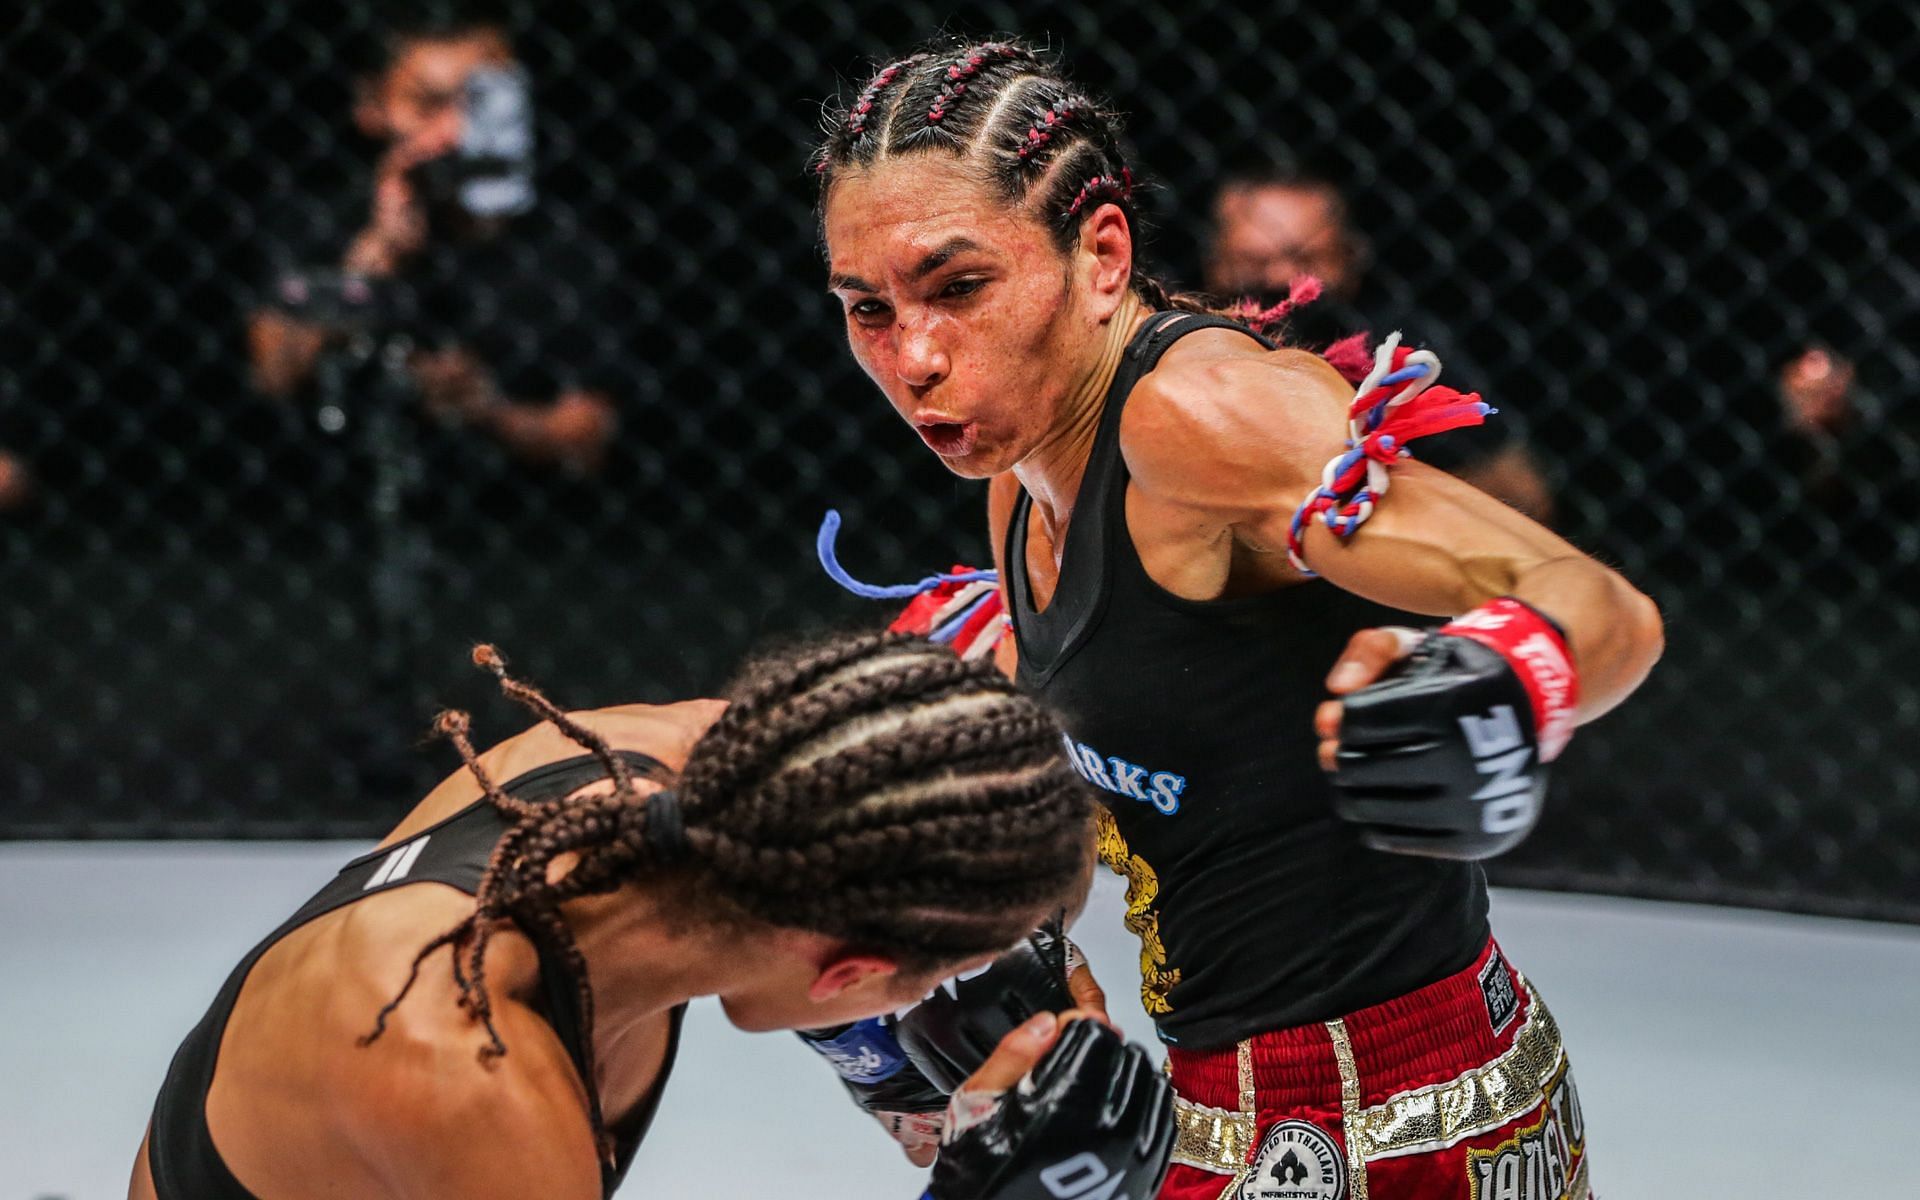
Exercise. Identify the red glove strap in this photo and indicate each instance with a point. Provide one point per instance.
(1538, 653)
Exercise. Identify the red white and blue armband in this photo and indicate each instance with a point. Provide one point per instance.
(1396, 403)
(960, 608)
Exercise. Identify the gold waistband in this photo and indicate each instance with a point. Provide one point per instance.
(1413, 1122)
(1485, 1098)
(1213, 1139)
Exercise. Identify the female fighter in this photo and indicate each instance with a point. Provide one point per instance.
(865, 818)
(1318, 957)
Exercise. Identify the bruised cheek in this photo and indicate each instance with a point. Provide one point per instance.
(873, 349)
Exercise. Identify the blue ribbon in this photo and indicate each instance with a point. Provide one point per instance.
(830, 530)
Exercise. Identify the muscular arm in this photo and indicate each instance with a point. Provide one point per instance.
(1223, 446)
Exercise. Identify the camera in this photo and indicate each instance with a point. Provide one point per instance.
(340, 299)
(490, 173)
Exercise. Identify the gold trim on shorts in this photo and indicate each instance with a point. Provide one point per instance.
(1512, 1085)
(1212, 1139)
(1219, 1140)
(1482, 1099)
(1349, 1109)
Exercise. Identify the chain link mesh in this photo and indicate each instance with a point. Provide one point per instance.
(227, 615)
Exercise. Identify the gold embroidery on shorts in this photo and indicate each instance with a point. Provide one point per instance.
(1485, 1098)
(1143, 887)
(1349, 1108)
(1543, 1161)
(1212, 1139)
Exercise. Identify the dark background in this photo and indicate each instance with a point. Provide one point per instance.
(1635, 215)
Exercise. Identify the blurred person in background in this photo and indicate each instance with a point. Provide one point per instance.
(455, 335)
(16, 482)
(504, 307)
(1274, 223)
(1849, 424)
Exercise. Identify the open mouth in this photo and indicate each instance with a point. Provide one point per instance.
(949, 439)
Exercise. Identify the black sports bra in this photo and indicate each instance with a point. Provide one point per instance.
(180, 1152)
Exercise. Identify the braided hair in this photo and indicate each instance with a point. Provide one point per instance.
(874, 789)
(1012, 115)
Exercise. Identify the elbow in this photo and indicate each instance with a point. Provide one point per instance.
(1643, 631)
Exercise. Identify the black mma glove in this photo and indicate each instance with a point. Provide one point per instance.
(1093, 1120)
(950, 1033)
(883, 1081)
(1447, 756)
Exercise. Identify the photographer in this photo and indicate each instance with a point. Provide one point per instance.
(501, 308)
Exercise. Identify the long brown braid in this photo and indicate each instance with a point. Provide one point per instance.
(1010, 113)
(873, 789)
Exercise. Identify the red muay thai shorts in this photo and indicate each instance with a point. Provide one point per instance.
(1459, 1089)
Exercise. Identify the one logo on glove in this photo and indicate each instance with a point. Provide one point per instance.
(1297, 1161)
(1083, 1177)
(1501, 751)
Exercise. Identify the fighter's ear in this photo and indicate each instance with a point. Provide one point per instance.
(846, 971)
(1106, 239)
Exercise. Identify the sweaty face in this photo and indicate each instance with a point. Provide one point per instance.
(958, 305)
(1266, 235)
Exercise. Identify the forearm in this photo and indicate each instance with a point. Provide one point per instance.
(573, 430)
(1614, 631)
(1437, 546)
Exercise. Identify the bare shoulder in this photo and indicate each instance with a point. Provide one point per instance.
(666, 731)
(1219, 421)
(441, 1122)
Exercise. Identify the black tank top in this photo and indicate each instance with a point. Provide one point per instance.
(185, 1163)
(1256, 907)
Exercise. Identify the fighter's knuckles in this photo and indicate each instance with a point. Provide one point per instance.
(1369, 653)
(1087, 993)
(1326, 718)
(1017, 1053)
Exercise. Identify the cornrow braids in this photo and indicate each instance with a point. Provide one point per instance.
(953, 82)
(877, 790)
(1065, 111)
(1102, 187)
(861, 114)
(1010, 114)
